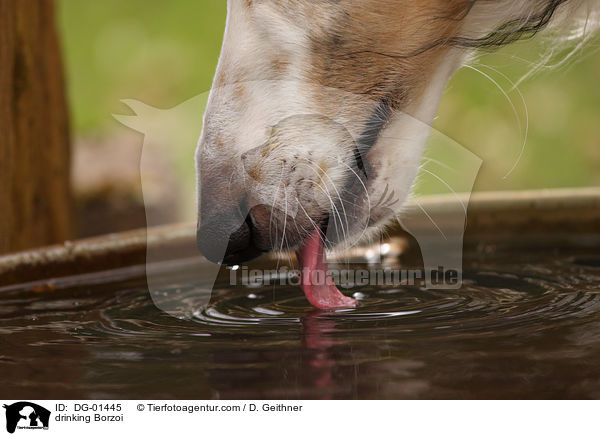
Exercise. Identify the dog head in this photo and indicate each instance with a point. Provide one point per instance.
(319, 112)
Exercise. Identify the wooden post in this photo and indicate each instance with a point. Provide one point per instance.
(35, 199)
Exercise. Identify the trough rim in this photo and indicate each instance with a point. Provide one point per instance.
(495, 213)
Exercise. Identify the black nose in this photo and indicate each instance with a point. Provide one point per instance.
(227, 239)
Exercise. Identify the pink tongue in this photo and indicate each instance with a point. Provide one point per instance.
(315, 280)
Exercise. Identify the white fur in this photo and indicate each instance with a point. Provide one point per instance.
(276, 128)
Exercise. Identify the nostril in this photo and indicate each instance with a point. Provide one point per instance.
(249, 223)
(227, 239)
(222, 235)
(239, 239)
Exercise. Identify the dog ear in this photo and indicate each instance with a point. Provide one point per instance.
(143, 113)
(179, 123)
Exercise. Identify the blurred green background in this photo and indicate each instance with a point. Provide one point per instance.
(164, 53)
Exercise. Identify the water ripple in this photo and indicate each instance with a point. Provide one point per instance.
(516, 329)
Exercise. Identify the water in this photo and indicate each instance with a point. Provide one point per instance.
(525, 325)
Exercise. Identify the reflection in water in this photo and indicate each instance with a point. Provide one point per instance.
(317, 339)
(517, 329)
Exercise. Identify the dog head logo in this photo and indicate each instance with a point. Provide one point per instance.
(286, 177)
(26, 415)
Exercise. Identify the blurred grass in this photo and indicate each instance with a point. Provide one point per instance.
(164, 53)
(161, 53)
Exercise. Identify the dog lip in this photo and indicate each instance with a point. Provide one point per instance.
(322, 224)
(242, 256)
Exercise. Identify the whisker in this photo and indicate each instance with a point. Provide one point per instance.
(512, 105)
(447, 186)
(431, 219)
(328, 195)
(284, 221)
(440, 163)
(361, 182)
(345, 232)
(316, 227)
(516, 88)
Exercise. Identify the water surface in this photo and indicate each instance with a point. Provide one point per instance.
(526, 324)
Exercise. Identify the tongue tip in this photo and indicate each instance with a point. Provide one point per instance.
(328, 299)
(342, 302)
(320, 292)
